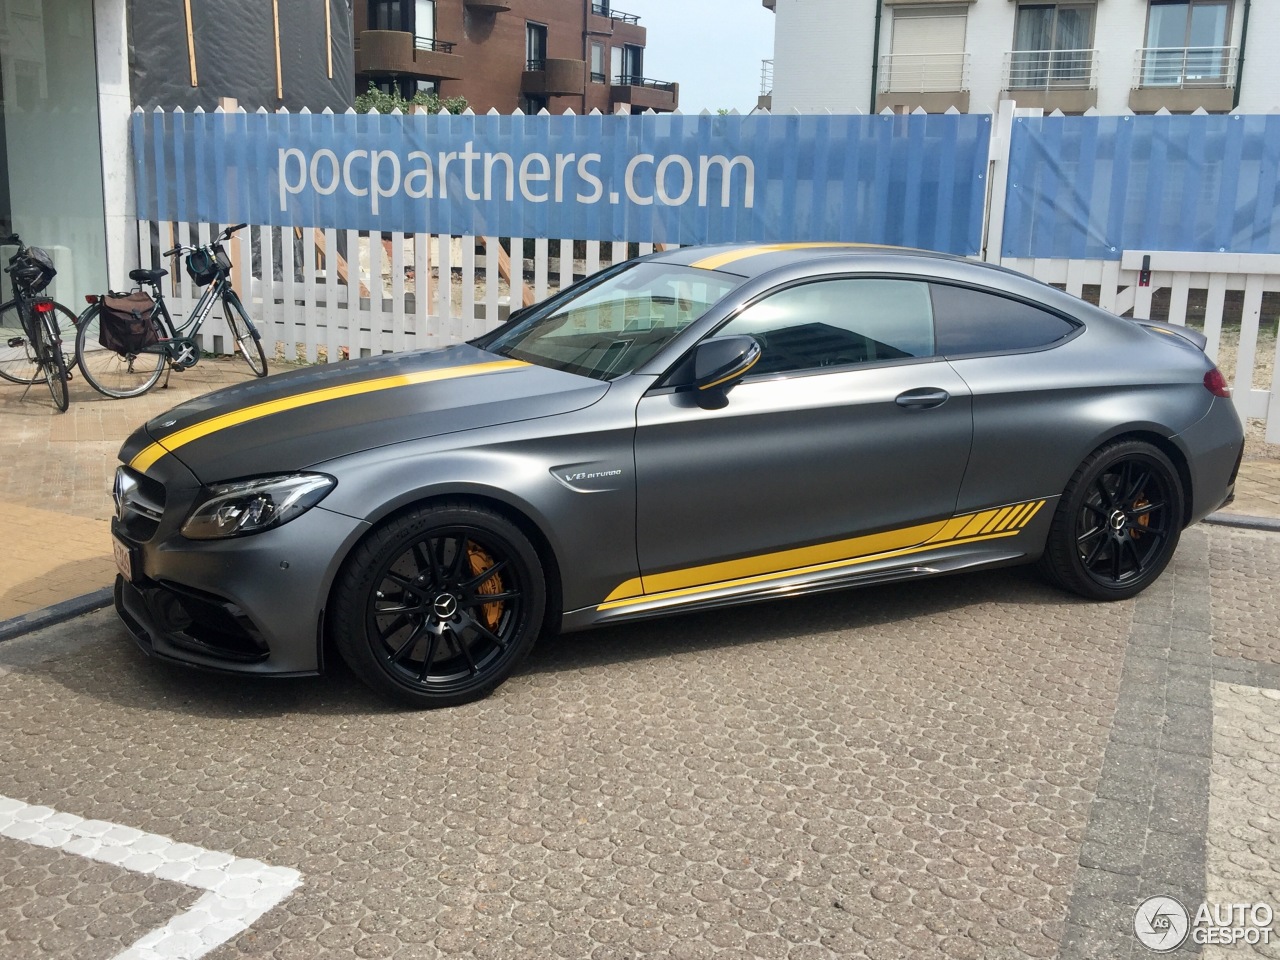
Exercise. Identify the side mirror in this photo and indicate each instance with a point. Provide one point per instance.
(721, 362)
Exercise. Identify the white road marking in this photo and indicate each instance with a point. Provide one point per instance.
(237, 891)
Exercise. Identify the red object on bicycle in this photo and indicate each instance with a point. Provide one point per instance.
(43, 306)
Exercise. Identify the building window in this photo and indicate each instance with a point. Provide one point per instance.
(615, 64)
(529, 105)
(633, 64)
(927, 51)
(535, 46)
(1187, 44)
(597, 63)
(406, 16)
(1052, 46)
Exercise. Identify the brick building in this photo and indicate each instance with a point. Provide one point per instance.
(503, 54)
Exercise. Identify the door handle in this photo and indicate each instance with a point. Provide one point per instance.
(922, 398)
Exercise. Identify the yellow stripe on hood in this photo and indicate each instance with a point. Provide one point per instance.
(257, 411)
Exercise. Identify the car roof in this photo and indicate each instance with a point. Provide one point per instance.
(754, 259)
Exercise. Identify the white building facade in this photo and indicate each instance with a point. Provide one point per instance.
(1112, 55)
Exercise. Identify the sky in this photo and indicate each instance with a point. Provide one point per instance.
(712, 48)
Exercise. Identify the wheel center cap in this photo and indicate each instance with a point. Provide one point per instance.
(1118, 521)
(445, 606)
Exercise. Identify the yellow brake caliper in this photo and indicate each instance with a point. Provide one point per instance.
(480, 562)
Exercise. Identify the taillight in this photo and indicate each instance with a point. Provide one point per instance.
(90, 298)
(1216, 383)
(43, 306)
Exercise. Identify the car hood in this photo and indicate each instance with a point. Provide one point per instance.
(295, 420)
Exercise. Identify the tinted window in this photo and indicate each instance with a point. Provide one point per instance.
(835, 322)
(970, 321)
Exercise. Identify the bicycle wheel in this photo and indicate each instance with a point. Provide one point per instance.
(55, 367)
(111, 373)
(18, 362)
(245, 333)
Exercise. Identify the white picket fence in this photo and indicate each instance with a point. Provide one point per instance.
(325, 295)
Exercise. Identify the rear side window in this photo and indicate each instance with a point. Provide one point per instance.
(972, 321)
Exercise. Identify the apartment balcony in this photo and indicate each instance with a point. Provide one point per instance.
(394, 53)
(934, 82)
(607, 20)
(1065, 80)
(554, 78)
(1182, 79)
(645, 94)
(488, 6)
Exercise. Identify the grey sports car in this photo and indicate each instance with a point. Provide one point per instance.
(697, 428)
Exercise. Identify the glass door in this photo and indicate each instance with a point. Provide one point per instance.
(50, 148)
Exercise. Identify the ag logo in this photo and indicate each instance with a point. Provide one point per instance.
(1161, 923)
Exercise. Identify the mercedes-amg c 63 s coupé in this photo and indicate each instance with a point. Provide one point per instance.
(698, 428)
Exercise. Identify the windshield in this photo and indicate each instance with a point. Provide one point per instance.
(612, 328)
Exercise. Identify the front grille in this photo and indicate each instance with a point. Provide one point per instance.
(139, 503)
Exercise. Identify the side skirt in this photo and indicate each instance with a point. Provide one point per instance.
(949, 560)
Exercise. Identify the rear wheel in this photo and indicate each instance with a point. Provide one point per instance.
(245, 333)
(115, 374)
(1118, 522)
(55, 367)
(438, 606)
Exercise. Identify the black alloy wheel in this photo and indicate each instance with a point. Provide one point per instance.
(440, 605)
(1118, 522)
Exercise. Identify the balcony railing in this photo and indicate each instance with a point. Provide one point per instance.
(766, 77)
(598, 77)
(1182, 67)
(924, 72)
(535, 66)
(422, 43)
(429, 43)
(629, 80)
(1051, 70)
(605, 10)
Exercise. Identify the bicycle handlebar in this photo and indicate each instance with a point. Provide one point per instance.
(226, 234)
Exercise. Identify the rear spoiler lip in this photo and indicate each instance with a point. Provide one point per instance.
(1193, 337)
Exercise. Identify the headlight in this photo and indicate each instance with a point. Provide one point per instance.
(251, 506)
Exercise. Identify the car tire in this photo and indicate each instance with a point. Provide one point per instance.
(417, 619)
(1117, 523)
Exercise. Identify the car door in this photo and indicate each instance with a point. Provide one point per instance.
(847, 426)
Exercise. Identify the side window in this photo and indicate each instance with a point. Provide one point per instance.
(831, 323)
(971, 321)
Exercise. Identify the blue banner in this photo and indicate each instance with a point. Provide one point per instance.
(1093, 187)
(915, 181)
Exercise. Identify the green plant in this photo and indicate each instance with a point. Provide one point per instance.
(383, 102)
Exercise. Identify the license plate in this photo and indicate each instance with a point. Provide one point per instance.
(124, 559)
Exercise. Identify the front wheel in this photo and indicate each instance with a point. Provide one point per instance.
(1117, 524)
(245, 333)
(17, 352)
(439, 605)
(55, 366)
(115, 374)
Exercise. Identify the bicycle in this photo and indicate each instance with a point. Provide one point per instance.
(30, 334)
(133, 372)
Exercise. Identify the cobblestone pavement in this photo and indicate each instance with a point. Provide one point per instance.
(972, 767)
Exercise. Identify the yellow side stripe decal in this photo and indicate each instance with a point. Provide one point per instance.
(257, 411)
(731, 256)
(969, 528)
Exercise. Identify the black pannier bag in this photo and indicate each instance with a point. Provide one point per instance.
(32, 270)
(126, 323)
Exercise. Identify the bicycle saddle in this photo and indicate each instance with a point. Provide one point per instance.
(147, 276)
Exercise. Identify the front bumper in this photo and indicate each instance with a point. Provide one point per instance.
(247, 605)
